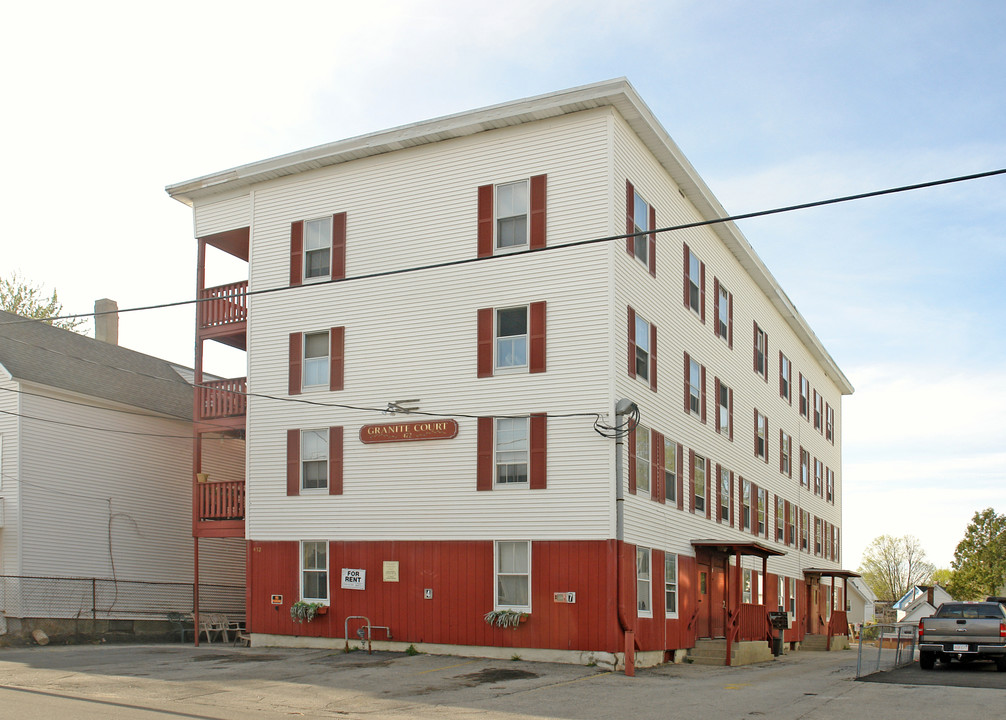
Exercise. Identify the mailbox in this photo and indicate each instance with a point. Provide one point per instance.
(779, 620)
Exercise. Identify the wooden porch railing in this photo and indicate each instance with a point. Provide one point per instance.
(838, 624)
(223, 500)
(223, 305)
(222, 398)
(752, 623)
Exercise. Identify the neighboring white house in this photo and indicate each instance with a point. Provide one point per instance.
(449, 261)
(95, 481)
(860, 601)
(919, 602)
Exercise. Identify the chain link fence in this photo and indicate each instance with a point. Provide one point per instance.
(886, 646)
(105, 599)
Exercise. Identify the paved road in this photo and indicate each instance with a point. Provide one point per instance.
(223, 683)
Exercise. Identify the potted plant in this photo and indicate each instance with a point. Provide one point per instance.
(302, 611)
(505, 618)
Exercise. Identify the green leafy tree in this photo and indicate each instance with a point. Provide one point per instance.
(943, 576)
(891, 566)
(20, 297)
(980, 558)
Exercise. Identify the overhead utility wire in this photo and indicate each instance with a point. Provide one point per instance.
(548, 248)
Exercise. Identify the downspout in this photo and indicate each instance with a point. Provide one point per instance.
(623, 407)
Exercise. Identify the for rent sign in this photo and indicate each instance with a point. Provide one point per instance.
(409, 431)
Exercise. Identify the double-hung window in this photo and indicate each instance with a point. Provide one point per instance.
(785, 454)
(723, 300)
(641, 224)
(760, 352)
(804, 529)
(804, 397)
(761, 436)
(746, 504)
(642, 349)
(314, 571)
(829, 423)
(785, 378)
(726, 494)
(699, 486)
(818, 479)
(694, 388)
(817, 536)
(642, 459)
(511, 451)
(724, 396)
(791, 524)
(670, 470)
(804, 468)
(762, 508)
(780, 517)
(513, 575)
(780, 583)
(671, 585)
(829, 488)
(694, 283)
(314, 459)
(792, 596)
(747, 595)
(643, 604)
(511, 338)
(316, 360)
(818, 411)
(511, 216)
(318, 249)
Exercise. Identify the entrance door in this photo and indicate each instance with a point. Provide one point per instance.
(718, 598)
(813, 608)
(705, 619)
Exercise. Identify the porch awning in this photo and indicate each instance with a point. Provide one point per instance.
(829, 572)
(733, 547)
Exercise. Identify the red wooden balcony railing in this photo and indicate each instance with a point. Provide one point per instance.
(222, 398)
(223, 500)
(223, 305)
(837, 625)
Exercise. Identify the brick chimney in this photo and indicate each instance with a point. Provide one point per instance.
(106, 321)
(929, 596)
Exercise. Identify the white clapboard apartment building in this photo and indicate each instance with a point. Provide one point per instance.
(438, 339)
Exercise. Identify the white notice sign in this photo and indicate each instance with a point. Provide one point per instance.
(353, 579)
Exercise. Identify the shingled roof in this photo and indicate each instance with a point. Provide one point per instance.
(39, 353)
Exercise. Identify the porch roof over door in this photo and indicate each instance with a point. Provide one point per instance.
(734, 547)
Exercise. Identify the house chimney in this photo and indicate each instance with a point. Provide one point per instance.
(106, 321)
(929, 596)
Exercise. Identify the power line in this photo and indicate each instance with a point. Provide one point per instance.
(98, 429)
(548, 248)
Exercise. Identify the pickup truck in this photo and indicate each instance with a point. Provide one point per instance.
(964, 631)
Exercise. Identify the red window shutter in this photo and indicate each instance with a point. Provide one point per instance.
(484, 451)
(632, 342)
(657, 467)
(730, 321)
(730, 403)
(687, 304)
(716, 306)
(691, 481)
(539, 456)
(485, 221)
(653, 357)
(296, 362)
(485, 342)
(632, 462)
(538, 211)
(679, 473)
(536, 352)
(296, 252)
(335, 461)
(337, 359)
(293, 462)
(653, 242)
(688, 391)
(702, 383)
(709, 492)
(702, 292)
(719, 492)
(630, 220)
(739, 501)
(339, 246)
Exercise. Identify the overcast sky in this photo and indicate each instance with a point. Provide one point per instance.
(774, 103)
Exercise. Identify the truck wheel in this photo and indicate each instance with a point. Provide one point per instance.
(1001, 663)
(927, 660)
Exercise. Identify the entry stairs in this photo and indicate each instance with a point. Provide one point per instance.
(714, 652)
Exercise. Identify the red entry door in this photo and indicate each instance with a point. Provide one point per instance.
(705, 614)
(717, 600)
